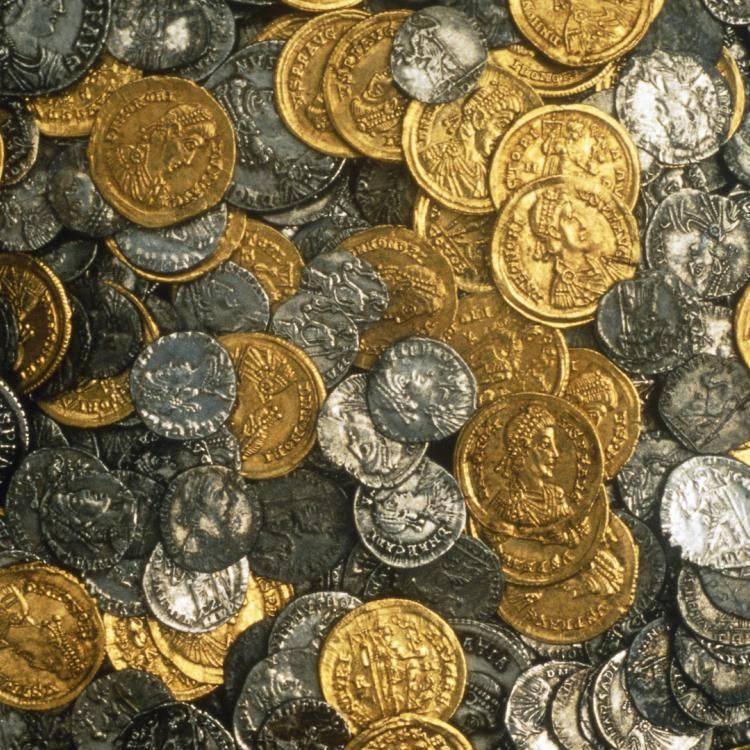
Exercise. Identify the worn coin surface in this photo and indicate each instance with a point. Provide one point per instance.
(20, 135)
(304, 722)
(728, 590)
(14, 433)
(410, 730)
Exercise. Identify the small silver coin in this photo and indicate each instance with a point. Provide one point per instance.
(564, 713)
(728, 592)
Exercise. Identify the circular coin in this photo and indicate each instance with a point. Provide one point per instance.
(412, 731)
(301, 723)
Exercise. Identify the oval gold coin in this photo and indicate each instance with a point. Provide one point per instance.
(507, 352)
(529, 465)
(585, 605)
(421, 287)
(573, 140)
(448, 147)
(161, 150)
(299, 81)
(730, 71)
(410, 731)
(70, 113)
(279, 395)
(559, 244)
(43, 316)
(321, 6)
(283, 27)
(607, 396)
(363, 103)
(53, 637)
(409, 658)
(582, 32)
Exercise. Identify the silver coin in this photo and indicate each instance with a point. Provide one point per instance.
(564, 713)
(385, 193)
(714, 330)
(21, 138)
(226, 300)
(322, 330)
(726, 591)
(703, 239)
(305, 621)
(304, 723)
(414, 523)
(14, 433)
(674, 106)
(736, 152)
(438, 54)
(349, 439)
(183, 385)
(420, 389)
(189, 601)
(736, 12)
(119, 589)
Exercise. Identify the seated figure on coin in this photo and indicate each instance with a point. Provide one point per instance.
(530, 497)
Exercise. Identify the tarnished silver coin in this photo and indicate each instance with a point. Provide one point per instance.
(726, 591)
(8, 337)
(704, 403)
(674, 106)
(714, 330)
(349, 439)
(189, 601)
(14, 433)
(226, 300)
(148, 493)
(438, 54)
(736, 152)
(250, 648)
(20, 136)
(305, 621)
(304, 723)
(68, 260)
(351, 283)
(564, 713)
(385, 192)
(704, 511)
(109, 703)
(736, 12)
(208, 518)
(359, 566)
(414, 523)
(420, 389)
(183, 385)
(119, 589)
(322, 330)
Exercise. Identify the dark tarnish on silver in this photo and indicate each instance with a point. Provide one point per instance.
(304, 723)
(385, 193)
(14, 433)
(21, 138)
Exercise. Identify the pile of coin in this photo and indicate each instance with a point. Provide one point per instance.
(374, 375)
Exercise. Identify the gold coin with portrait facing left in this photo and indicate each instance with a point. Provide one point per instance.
(53, 637)
(560, 243)
(409, 656)
(529, 464)
(586, 604)
(448, 147)
(161, 150)
(410, 731)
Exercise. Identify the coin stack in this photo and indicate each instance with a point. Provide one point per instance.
(339, 407)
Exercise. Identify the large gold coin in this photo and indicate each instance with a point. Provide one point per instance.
(559, 245)
(299, 81)
(273, 258)
(363, 103)
(97, 402)
(529, 465)
(448, 147)
(574, 140)
(52, 637)
(279, 394)
(130, 646)
(390, 657)
(410, 732)
(585, 605)
(70, 113)
(162, 150)
(282, 28)
(43, 316)
(507, 352)
(321, 6)
(421, 287)
(730, 71)
(609, 399)
(582, 32)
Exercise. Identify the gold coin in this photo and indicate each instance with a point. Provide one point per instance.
(559, 244)
(529, 465)
(228, 243)
(507, 352)
(448, 147)
(43, 316)
(548, 78)
(299, 81)
(279, 395)
(282, 28)
(730, 71)
(742, 326)
(462, 239)
(585, 605)
(410, 732)
(273, 259)
(551, 557)
(607, 396)
(421, 287)
(130, 646)
(162, 150)
(321, 6)
(741, 453)
(390, 657)
(53, 637)
(573, 140)
(70, 113)
(363, 103)
(97, 402)
(582, 32)
(275, 594)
